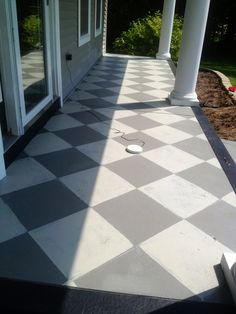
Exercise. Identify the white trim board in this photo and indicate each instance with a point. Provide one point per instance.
(83, 39)
(98, 31)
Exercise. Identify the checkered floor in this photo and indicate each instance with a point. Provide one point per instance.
(77, 209)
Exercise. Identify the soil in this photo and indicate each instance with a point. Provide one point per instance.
(218, 105)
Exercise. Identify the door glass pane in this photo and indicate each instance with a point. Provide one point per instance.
(84, 17)
(98, 14)
(31, 29)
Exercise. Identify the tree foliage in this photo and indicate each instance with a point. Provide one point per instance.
(142, 37)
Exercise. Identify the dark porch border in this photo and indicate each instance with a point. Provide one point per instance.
(17, 147)
(226, 161)
(25, 297)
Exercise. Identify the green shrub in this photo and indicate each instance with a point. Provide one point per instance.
(31, 31)
(142, 37)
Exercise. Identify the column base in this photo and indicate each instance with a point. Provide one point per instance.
(228, 263)
(163, 56)
(178, 99)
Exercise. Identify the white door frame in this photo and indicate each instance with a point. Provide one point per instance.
(11, 86)
(11, 68)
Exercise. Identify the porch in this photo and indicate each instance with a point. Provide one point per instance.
(77, 209)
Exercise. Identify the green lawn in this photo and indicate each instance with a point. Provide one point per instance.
(227, 67)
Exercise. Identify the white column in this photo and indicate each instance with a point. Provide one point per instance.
(194, 27)
(2, 163)
(104, 39)
(166, 30)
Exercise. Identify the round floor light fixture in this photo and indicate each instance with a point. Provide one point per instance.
(134, 149)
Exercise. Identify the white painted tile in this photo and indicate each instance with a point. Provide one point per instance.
(158, 84)
(167, 134)
(179, 195)
(73, 106)
(230, 199)
(124, 90)
(45, 143)
(124, 82)
(202, 137)
(214, 162)
(104, 152)
(10, 226)
(116, 113)
(188, 254)
(119, 99)
(163, 117)
(96, 185)
(172, 158)
(60, 122)
(158, 93)
(80, 243)
(112, 129)
(24, 173)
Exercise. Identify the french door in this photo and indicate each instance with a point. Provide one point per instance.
(30, 19)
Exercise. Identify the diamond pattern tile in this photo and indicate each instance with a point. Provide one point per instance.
(186, 198)
(188, 244)
(167, 134)
(21, 258)
(135, 272)
(38, 205)
(77, 209)
(135, 208)
(66, 161)
(96, 185)
(138, 170)
(60, 241)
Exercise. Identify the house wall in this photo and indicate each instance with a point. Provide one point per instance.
(83, 57)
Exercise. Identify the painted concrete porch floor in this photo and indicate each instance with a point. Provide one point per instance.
(76, 209)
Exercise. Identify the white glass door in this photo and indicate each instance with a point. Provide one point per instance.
(32, 46)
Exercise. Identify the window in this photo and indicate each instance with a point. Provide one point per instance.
(84, 21)
(98, 17)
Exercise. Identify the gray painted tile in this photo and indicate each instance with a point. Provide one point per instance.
(79, 136)
(141, 80)
(138, 170)
(96, 103)
(186, 112)
(141, 87)
(21, 258)
(45, 143)
(139, 123)
(134, 272)
(90, 116)
(102, 92)
(107, 84)
(209, 178)
(139, 138)
(188, 126)
(142, 97)
(41, 204)
(136, 216)
(23, 173)
(66, 162)
(139, 107)
(219, 221)
(9, 224)
(197, 147)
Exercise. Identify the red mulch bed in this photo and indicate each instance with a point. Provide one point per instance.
(217, 104)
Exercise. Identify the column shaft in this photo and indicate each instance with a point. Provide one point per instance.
(166, 30)
(195, 20)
